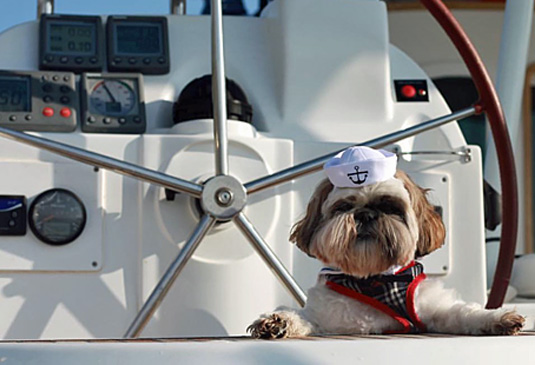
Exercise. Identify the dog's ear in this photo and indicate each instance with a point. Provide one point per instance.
(304, 229)
(431, 228)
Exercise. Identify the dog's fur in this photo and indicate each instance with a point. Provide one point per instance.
(366, 231)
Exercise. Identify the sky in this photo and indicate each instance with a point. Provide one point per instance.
(18, 11)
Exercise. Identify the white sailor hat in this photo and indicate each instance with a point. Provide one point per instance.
(360, 166)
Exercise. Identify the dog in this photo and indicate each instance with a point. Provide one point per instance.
(369, 237)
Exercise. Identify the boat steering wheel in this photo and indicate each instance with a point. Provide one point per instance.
(223, 197)
(489, 104)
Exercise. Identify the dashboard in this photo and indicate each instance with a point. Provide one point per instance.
(70, 89)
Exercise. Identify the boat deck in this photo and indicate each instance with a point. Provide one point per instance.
(371, 349)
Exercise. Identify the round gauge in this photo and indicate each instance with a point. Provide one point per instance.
(112, 97)
(57, 216)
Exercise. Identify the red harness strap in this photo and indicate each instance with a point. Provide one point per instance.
(385, 308)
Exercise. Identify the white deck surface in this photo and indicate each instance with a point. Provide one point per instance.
(428, 349)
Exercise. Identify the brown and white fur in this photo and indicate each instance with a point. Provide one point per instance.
(366, 231)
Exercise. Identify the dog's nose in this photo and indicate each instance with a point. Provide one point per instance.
(365, 215)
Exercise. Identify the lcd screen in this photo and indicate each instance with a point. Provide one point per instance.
(138, 39)
(71, 38)
(15, 94)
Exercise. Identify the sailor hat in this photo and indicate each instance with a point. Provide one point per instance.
(360, 166)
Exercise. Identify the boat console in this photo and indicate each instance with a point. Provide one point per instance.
(84, 244)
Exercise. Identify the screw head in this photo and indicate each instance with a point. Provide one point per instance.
(224, 197)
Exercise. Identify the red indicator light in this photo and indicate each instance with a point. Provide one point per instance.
(48, 111)
(65, 112)
(408, 91)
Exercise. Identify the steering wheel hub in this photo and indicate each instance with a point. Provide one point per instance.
(223, 197)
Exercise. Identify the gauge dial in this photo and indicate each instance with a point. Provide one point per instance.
(112, 98)
(57, 216)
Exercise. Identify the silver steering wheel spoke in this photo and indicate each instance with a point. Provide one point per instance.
(169, 277)
(219, 91)
(316, 164)
(105, 162)
(270, 258)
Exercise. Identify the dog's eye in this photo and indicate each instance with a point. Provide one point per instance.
(389, 205)
(391, 210)
(341, 207)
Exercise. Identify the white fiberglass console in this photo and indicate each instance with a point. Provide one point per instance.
(319, 75)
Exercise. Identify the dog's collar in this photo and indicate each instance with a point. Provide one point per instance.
(392, 270)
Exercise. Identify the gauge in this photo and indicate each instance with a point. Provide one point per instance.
(113, 103)
(138, 44)
(57, 216)
(112, 97)
(71, 43)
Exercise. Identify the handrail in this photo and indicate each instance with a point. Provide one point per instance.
(177, 7)
(45, 7)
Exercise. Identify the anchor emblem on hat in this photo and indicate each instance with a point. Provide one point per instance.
(358, 177)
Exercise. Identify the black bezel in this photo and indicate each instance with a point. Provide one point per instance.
(76, 63)
(36, 232)
(158, 64)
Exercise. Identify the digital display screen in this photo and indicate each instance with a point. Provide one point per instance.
(71, 38)
(15, 94)
(138, 39)
(113, 107)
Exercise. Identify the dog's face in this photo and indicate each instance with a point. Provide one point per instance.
(366, 230)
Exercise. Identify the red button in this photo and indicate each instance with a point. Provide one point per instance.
(65, 112)
(48, 111)
(408, 91)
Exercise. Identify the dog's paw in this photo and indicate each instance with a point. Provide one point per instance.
(269, 327)
(510, 323)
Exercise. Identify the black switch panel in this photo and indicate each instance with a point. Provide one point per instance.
(411, 90)
(12, 215)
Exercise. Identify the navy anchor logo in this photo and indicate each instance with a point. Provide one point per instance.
(358, 177)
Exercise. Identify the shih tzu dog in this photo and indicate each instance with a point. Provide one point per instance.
(367, 223)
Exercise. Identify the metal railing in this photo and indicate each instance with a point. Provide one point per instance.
(176, 7)
(45, 7)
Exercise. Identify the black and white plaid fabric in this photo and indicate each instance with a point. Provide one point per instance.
(389, 289)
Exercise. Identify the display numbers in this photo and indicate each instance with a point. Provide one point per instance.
(71, 38)
(11, 97)
(79, 31)
(79, 46)
(14, 94)
(138, 39)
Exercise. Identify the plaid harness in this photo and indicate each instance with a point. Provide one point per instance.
(392, 294)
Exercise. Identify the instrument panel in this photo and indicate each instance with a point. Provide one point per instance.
(113, 103)
(71, 43)
(38, 101)
(138, 44)
(78, 43)
(66, 93)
